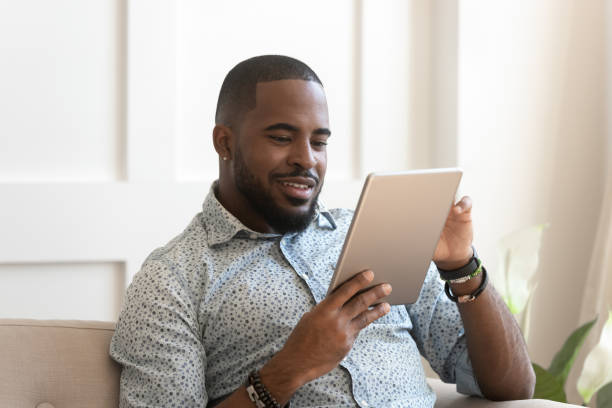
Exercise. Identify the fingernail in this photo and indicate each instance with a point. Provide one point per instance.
(387, 288)
(369, 275)
(386, 307)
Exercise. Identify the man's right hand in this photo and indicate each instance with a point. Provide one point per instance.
(324, 336)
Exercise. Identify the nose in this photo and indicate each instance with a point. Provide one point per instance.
(302, 155)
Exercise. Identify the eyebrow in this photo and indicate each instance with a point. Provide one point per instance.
(291, 128)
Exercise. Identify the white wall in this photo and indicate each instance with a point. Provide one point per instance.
(212, 38)
(60, 91)
(532, 139)
(107, 112)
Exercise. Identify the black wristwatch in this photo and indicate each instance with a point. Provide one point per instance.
(466, 270)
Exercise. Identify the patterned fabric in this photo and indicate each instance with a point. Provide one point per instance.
(220, 300)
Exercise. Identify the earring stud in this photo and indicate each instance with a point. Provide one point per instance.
(224, 158)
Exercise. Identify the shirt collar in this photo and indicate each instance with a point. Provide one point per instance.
(326, 221)
(222, 226)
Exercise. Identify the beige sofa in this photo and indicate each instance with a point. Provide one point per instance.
(65, 364)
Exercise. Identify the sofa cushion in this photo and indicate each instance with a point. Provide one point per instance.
(447, 397)
(57, 364)
(65, 364)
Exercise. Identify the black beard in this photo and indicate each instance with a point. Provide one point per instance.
(279, 219)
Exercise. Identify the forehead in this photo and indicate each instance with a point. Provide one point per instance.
(289, 99)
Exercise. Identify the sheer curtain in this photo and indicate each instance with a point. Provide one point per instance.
(597, 296)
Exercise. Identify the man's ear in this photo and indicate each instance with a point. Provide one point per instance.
(224, 141)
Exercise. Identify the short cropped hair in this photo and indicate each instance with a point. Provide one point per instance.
(237, 95)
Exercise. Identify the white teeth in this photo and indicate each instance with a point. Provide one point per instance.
(296, 185)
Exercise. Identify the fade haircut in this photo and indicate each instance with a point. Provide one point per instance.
(237, 95)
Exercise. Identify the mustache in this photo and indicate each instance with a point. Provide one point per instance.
(299, 173)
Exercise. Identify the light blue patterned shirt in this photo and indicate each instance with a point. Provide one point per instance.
(220, 300)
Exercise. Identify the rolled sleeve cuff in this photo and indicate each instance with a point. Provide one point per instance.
(464, 376)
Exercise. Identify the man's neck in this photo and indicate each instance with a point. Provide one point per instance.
(234, 202)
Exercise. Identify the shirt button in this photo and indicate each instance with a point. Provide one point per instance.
(253, 236)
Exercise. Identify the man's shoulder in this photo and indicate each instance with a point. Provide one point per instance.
(185, 248)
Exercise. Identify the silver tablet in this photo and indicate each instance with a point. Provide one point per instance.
(396, 228)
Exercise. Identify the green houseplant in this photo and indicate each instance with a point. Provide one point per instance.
(519, 260)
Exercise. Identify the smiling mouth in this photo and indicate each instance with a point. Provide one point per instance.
(296, 185)
(297, 193)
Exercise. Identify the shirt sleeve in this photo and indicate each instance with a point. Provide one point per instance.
(439, 335)
(157, 342)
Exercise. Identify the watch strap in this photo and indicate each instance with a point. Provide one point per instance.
(466, 270)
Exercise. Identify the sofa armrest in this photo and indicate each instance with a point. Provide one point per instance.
(64, 363)
(447, 397)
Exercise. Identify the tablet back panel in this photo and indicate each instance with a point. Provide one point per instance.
(396, 228)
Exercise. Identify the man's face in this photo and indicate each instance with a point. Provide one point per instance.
(281, 157)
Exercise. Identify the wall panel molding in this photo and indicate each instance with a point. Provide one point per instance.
(68, 290)
(109, 153)
(385, 89)
(61, 79)
(151, 90)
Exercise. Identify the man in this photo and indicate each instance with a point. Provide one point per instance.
(233, 312)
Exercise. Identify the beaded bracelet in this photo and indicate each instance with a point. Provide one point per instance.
(259, 395)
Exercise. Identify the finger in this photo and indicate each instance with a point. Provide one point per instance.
(464, 205)
(349, 288)
(363, 319)
(363, 301)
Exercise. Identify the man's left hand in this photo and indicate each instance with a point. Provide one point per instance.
(454, 249)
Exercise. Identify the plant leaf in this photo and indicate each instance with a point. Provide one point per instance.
(564, 359)
(519, 259)
(548, 386)
(604, 396)
(524, 318)
(597, 368)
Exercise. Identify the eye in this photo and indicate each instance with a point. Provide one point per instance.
(280, 139)
(319, 143)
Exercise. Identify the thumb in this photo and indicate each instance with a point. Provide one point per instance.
(463, 206)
